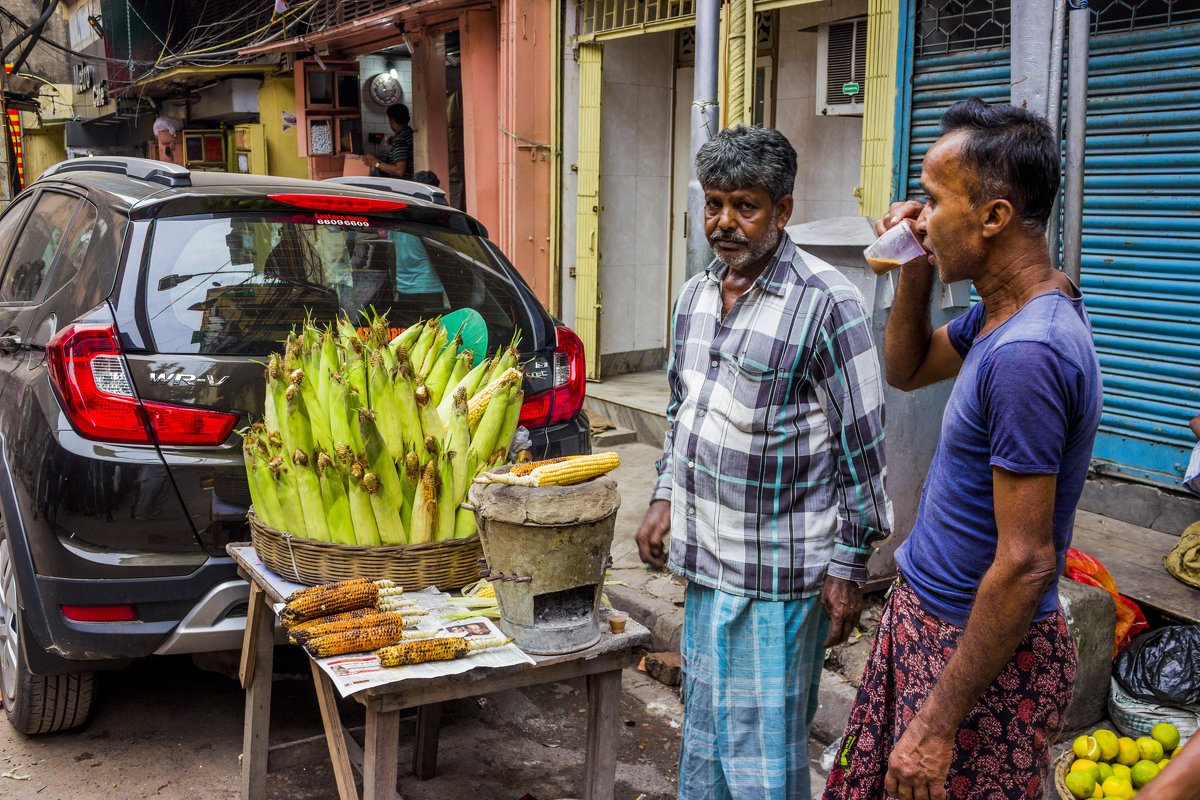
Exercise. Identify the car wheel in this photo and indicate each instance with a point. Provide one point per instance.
(34, 704)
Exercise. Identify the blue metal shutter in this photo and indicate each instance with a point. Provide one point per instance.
(1141, 245)
(1141, 238)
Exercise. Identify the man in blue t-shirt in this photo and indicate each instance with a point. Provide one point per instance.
(973, 667)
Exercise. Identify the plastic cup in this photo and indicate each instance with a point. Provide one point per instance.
(616, 622)
(897, 246)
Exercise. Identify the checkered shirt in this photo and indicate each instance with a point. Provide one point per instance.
(773, 459)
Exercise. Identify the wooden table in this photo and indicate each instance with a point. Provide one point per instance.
(600, 665)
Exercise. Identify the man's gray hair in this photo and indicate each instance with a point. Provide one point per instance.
(742, 157)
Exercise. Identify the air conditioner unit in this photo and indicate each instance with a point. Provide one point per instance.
(842, 67)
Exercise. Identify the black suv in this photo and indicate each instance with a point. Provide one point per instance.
(137, 303)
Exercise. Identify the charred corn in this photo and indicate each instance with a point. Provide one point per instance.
(302, 634)
(329, 598)
(358, 640)
(574, 469)
(440, 649)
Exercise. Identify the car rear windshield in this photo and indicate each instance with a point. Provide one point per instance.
(237, 284)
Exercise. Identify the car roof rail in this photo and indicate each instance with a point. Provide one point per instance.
(422, 191)
(146, 169)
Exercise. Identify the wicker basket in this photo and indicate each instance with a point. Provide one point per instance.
(448, 565)
(1060, 768)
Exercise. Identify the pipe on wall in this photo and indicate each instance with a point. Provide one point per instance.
(1077, 79)
(706, 112)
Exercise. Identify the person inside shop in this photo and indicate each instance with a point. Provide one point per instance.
(398, 161)
(771, 479)
(973, 667)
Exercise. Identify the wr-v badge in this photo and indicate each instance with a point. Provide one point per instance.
(184, 379)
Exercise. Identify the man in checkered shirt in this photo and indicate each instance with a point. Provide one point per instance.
(771, 480)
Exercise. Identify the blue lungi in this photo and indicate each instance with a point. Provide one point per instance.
(751, 669)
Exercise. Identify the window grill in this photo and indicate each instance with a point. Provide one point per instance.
(608, 16)
(956, 26)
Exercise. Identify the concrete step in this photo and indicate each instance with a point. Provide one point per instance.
(636, 401)
(613, 437)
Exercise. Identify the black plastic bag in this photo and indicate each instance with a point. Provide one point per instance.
(1162, 666)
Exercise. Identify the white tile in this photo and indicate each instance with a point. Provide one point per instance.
(653, 225)
(653, 123)
(657, 55)
(619, 140)
(622, 60)
(617, 292)
(618, 220)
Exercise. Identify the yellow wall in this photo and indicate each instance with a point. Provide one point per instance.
(277, 95)
(42, 148)
(878, 137)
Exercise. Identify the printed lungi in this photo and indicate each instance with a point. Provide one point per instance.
(751, 669)
(1002, 748)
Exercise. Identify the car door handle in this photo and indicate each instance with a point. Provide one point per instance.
(10, 344)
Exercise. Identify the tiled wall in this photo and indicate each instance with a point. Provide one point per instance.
(635, 191)
(830, 147)
(374, 116)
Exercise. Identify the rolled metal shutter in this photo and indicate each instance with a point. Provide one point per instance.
(1141, 245)
(1141, 227)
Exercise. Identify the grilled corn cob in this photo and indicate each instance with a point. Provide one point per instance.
(440, 649)
(330, 598)
(302, 634)
(565, 472)
(372, 636)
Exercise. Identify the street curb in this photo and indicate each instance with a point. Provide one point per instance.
(664, 620)
(836, 698)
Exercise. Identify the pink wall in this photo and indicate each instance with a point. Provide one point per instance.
(526, 71)
(428, 108)
(479, 37)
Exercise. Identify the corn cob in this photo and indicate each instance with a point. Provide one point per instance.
(406, 606)
(464, 523)
(423, 526)
(324, 626)
(329, 598)
(387, 513)
(468, 383)
(479, 403)
(378, 458)
(559, 473)
(440, 337)
(458, 441)
(442, 648)
(439, 375)
(289, 497)
(508, 427)
(362, 514)
(335, 500)
(358, 640)
(407, 338)
(383, 403)
(431, 423)
(357, 613)
(424, 340)
(309, 487)
(485, 434)
(528, 466)
(446, 504)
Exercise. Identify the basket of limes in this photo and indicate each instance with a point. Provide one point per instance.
(1103, 764)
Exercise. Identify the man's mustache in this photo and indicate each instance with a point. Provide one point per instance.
(728, 236)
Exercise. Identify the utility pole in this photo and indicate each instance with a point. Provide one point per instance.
(706, 117)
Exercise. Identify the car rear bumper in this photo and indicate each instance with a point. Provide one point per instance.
(570, 438)
(199, 612)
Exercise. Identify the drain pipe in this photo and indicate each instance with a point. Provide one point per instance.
(1077, 79)
(1055, 116)
(706, 118)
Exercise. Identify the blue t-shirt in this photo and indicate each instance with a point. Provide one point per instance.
(1027, 399)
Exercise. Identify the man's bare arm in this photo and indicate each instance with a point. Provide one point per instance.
(1005, 604)
(914, 354)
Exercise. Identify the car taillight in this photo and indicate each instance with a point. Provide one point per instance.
(563, 401)
(89, 378)
(345, 205)
(99, 613)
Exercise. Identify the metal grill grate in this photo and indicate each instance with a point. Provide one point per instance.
(605, 16)
(958, 26)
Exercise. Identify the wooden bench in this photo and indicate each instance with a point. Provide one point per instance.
(1133, 555)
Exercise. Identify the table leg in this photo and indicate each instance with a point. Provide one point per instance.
(335, 737)
(604, 724)
(258, 664)
(381, 745)
(429, 728)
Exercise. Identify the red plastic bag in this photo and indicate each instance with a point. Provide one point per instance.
(1130, 620)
